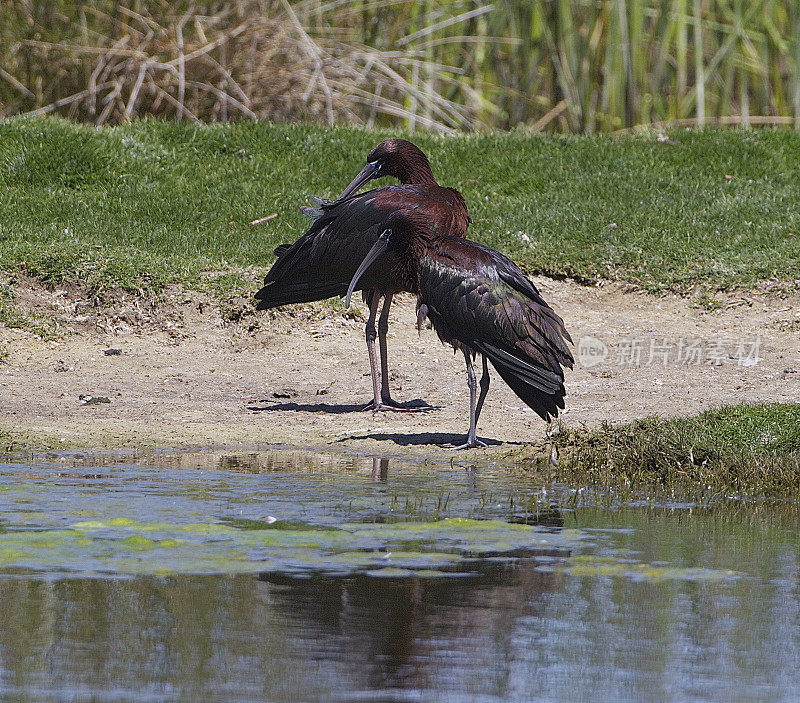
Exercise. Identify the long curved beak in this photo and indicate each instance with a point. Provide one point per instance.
(367, 174)
(377, 249)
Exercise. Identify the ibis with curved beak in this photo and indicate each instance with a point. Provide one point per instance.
(322, 262)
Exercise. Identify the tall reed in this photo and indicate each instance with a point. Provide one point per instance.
(567, 65)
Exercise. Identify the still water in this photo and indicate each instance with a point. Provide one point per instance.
(290, 576)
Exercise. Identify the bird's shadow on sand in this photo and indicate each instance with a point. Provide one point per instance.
(333, 408)
(421, 438)
(415, 406)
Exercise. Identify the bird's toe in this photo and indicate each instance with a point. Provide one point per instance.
(469, 444)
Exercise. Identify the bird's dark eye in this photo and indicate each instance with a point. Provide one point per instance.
(377, 165)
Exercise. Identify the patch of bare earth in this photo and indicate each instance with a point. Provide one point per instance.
(181, 375)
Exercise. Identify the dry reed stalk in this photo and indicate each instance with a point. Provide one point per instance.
(262, 220)
(433, 64)
(180, 65)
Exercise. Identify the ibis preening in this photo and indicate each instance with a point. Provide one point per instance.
(324, 260)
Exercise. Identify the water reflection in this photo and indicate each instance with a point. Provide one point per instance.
(380, 468)
(510, 632)
(269, 639)
(633, 604)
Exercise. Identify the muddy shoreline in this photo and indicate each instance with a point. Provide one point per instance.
(182, 374)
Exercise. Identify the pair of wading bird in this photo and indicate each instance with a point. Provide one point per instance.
(411, 237)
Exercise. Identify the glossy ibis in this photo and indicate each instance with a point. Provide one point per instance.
(479, 301)
(323, 261)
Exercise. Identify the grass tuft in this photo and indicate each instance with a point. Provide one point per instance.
(8, 443)
(743, 450)
(706, 302)
(15, 316)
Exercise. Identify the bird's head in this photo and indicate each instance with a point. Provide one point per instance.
(393, 157)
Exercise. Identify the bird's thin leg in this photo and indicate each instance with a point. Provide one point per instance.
(383, 328)
(387, 402)
(370, 333)
(484, 384)
(472, 383)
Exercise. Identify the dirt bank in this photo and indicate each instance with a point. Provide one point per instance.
(183, 376)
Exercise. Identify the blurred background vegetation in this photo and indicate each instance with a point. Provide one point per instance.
(558, 65)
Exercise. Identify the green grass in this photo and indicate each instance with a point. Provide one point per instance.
(151, 203)
(751, 450)
(8, 443)
(15, 316)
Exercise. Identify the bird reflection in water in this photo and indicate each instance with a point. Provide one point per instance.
(380, 468)
(396, 633)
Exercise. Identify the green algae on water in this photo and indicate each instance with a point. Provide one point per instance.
(126, 546)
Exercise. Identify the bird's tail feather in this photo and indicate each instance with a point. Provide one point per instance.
(541, 389)
(280, 293)
(548, 381)
(545, 405)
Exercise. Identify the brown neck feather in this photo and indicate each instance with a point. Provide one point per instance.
(416, 170)
(409, 245)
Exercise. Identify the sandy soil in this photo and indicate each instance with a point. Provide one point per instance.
(184, 377)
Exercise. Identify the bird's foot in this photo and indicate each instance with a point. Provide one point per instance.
(391, 404)
(467, 445)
